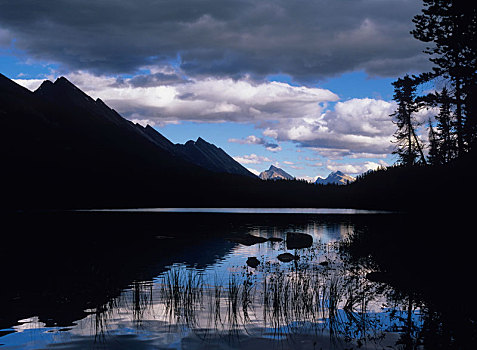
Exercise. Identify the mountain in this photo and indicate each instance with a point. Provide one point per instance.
(336, 177)
(59, 147)
(80, 114)
(211, 157)
(274, 173)
(200, 153)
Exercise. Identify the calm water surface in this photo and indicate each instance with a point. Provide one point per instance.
(323, 211)
(180, 280)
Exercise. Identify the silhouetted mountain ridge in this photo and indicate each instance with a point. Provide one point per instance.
(199, 152)
(211, 157)
(58, 142)
(86, 114)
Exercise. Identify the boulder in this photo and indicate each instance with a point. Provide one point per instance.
(253, 262)
(287, 257)
(298, 240)
(247, 239)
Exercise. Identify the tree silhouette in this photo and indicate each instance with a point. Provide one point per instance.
(435, 156)
(442, 135)
(450, 26)
(409, 147)
(445, 127)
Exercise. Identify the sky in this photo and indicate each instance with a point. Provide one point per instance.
(304, 85)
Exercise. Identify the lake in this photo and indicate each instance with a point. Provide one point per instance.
(195, 279)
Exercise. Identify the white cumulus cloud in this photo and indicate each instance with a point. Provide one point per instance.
(252, 159)
(354, 169)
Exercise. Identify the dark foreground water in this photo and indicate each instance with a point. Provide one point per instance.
(161, 280)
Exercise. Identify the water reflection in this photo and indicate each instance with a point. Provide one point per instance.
(185, 284)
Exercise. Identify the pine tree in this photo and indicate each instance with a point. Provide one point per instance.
(450, 25)
(445, 127)
(435, 156)
(409, 147)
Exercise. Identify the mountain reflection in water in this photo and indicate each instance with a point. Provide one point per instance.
(117, 280)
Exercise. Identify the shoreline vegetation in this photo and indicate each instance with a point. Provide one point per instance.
(448, 187)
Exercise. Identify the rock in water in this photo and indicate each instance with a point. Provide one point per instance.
(253, 262)
(298, 240)
(248, 239)
(287, 257)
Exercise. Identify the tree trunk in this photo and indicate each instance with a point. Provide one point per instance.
(458, 113)
(423, 159)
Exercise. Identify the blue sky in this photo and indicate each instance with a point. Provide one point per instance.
(306, 88)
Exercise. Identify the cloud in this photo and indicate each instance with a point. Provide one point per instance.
(253, 171)
(355, 169)
(354, 127)
(210, 100)
(307, 178)
(308, 40)
(143, 122)
(249, 140)
(361, 117)
(254, 140)
(5, 38)
(154, 79)
(31, 84)
(317, 164)
(251, 159)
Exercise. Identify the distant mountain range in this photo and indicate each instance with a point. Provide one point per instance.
(274, 173)
(336, 177)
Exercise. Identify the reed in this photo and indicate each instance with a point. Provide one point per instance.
(317, 297)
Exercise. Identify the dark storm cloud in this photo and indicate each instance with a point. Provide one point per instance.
(155, 79)
(305, 39)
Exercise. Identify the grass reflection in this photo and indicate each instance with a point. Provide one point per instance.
(320, 294)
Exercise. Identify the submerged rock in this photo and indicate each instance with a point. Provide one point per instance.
(253, 262)
(247, 239)
(287, 257)
(298, 240)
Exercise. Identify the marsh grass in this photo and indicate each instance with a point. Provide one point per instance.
(181, 290)
(294, 299)
(284, 300)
